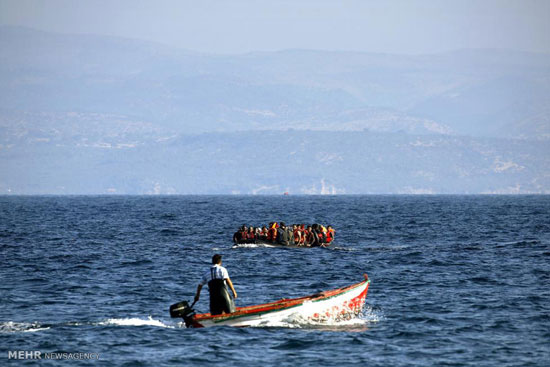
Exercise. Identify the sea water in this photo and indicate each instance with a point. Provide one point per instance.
(455, 280)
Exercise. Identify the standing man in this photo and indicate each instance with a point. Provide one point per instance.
(217, 277)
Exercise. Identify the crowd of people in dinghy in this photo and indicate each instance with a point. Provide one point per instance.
(314, 235)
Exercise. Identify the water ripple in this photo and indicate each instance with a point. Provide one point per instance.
(456, 280)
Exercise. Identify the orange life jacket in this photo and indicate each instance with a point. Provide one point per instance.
(330, 235)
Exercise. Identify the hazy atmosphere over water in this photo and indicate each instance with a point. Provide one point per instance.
(247, 97)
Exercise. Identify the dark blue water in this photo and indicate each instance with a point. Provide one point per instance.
(456, 280)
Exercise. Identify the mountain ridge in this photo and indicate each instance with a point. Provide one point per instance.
(104, 115)
(174, 88)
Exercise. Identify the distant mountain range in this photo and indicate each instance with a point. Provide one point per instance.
(273, 162)
(93, 114)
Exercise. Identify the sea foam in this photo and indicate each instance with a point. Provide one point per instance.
(134, 321)
(21, 327)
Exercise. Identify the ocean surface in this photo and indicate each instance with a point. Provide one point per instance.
(455, 280)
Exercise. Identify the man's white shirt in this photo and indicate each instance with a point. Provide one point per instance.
(215, 272)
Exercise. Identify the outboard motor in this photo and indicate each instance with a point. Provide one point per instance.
(183, 310)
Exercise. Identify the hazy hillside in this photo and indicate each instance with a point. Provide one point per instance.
(90, 114)
(272, 162)
(479, 93)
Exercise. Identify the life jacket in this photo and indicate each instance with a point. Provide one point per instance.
(297, 235)
(302, 230)
(321, 236)
(272, 234)
(243, 235)
(323, 233)
(330, 235)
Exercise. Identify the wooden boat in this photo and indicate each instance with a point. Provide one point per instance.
(336, 304)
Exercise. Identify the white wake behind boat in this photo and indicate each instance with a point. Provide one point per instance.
(341, 303)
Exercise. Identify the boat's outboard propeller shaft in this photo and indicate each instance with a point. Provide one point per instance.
(183, 310)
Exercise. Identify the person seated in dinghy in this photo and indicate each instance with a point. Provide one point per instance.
(251, 235)
(237, 236)
(330, 235)
(243, 234)
(263, 234)
(284, 235)
(272, 232)
(258, 234)
(317, 235)
(217, 277)
(297, 235)
(309, 236)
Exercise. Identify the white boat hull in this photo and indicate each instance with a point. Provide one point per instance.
(336, 304)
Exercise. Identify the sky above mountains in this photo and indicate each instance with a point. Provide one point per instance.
(239, 26)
